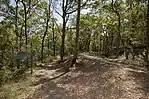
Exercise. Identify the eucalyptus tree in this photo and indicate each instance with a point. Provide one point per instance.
(16, 22)
(25, 20)
(67, 7)
(7, 36)
(27, 7)
(54, 37)
(115, 5)
(77, 32)
(48, 15)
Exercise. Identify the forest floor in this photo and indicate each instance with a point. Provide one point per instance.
(92, 78)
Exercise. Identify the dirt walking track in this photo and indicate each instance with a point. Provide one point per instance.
(93, 78)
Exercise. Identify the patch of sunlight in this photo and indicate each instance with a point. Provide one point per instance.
(135, 70)
(93, 63)
(75, 74)
(90, 73)
(45, 73)
(91, 57)
(49, 65)
(114, 60)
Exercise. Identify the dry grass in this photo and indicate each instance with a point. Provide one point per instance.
(17, 90)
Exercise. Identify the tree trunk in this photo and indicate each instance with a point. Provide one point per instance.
(103, 45)
(111, 43)
(63, 31)
(88, 43)
(107, 45)
(100, 44)
(46, 30)
(25, 26)
(31, 58)
(25, 23)
(147, 37)
(94, 43)
(118, 36)
(16, 23)
(26, 36)
(77, 32)
(20, 36)
(43, 39)
(62, 53)
(53, 39)
(48, 46)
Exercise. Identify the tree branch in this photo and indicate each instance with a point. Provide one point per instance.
(58, 13)
(77, 8)
(30, 7)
